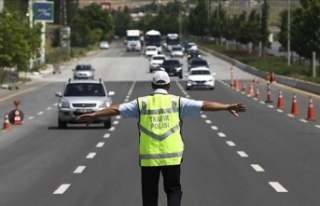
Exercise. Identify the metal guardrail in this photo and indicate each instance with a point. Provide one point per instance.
(288, 81)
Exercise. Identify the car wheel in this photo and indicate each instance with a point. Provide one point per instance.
(62, 124)
(188, 88)
(107, 123)
(211, 88)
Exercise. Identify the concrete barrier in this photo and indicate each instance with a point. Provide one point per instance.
(288, 81)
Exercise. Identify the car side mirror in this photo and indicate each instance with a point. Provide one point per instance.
(111, 93)
(58, 94)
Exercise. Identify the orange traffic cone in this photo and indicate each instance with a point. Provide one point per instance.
(294, 107)
(236, 84)
(311, 115)
(280, 100)
(17, 118)
(257, 94)
(251, 93)
(6, 124)
(269, 99)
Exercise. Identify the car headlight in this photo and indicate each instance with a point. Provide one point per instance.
(104, 104)
(63, 103)
(178, 69)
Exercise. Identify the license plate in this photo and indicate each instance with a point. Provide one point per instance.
(84, 110)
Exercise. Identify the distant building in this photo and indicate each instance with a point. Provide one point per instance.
(106, 5)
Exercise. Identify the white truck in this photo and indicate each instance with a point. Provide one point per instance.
(133, 41)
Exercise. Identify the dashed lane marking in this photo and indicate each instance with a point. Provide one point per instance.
(112, 129)
(214, 127)
(242, 154)
(49, 108)
(40, 113)
(100, 144)
(221, 134)
(32, 117)
(62, 189)
(79, 169)
(91, 155)
(208, 121)
(106, 135)
(204, 116)
(231, 143)
(257, 168)
(278, 187)
(115, 122)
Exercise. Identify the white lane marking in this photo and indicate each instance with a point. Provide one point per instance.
(257, 168)
(91, 155)
(270, 106)
(40, 113)
(126, 100)
(242, 154)
(303, 120)
(221, 134)
(112, 129)
(280, 110)
(115, 122)
(49, 108)
(62, 189)
(262, 102)
(278, 187)
(107, 135)
(100, 144)
(208, 121)
(214, 127)
(127, 97)
(118, 117)
(187, 96)
(79, 169)
(231, 143)
(318, 126)
(55, 104)
(32, 117)
(204, 116)
(290, 115)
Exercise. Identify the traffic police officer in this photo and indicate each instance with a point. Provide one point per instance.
(161, 146)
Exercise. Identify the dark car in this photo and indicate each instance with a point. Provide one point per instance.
(197, 62)
(193, 53)
(173, 67)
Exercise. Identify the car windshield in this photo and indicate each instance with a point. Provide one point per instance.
(158, 58)
(200, 72)
(171, 63)
(84, 89)
(199, 63)
(151, 49)
(177, 48)
(83, 67)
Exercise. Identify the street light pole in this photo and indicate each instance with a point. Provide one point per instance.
(260, 25)
(288, 37)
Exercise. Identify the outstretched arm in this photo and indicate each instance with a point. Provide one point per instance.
(216, 106)
(113, 110)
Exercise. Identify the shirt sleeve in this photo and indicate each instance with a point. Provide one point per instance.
(190, 107)
(129, 109)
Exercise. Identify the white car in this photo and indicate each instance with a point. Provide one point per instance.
(151, 50)
(192, 46)
(156, 61)
(104, 45)
(176, 51)
(200, 77)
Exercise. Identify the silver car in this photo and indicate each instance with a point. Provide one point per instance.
(83, 71)
(81, 97)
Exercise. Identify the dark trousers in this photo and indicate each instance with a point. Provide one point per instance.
(171, 183)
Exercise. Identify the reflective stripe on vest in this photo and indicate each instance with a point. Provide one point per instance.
(160, 136)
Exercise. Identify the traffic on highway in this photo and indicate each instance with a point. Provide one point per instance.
(267, 156)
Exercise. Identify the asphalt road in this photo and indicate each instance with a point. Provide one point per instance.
(266, 157)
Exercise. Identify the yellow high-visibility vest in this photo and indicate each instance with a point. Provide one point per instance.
(161, 142)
